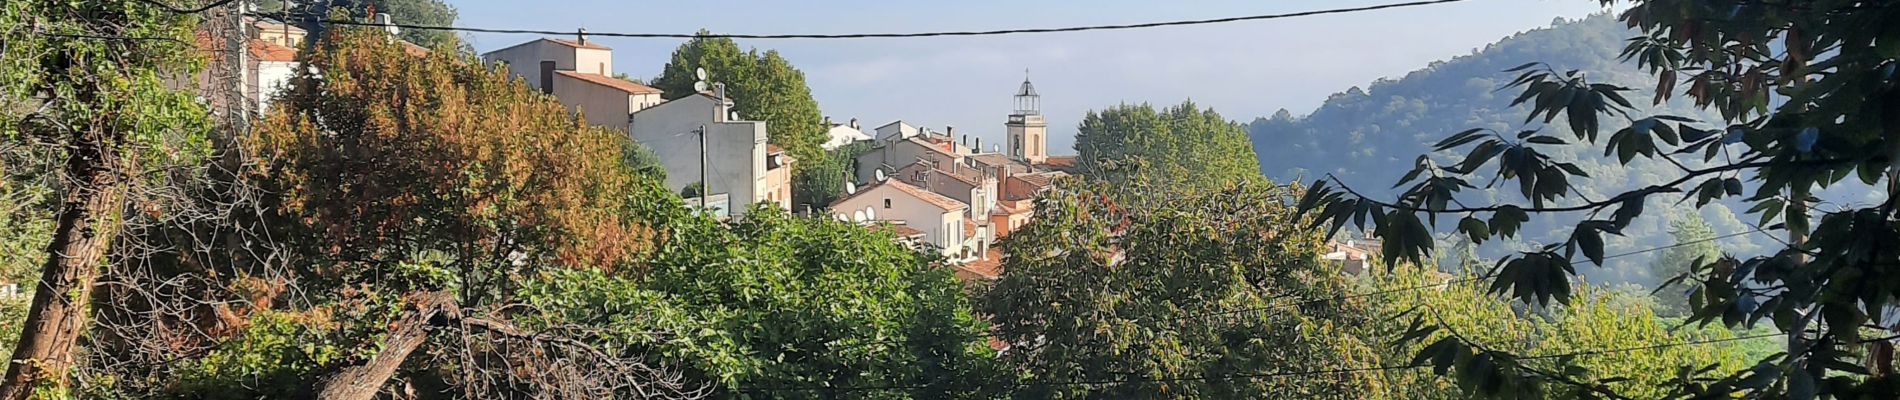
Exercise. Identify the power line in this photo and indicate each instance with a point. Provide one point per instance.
(905, 34)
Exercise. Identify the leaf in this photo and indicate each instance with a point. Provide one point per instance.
(1546, 140)
(1475, 228)
(1507, 219)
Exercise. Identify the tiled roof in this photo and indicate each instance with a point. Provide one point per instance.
(1001, 208)
(611, 82)
(946, 203)
(773, 149)
(902, 231)
(969, 229)
(1061, 162)
(951, 150)
(961, 173)
(259, 49)
(990, 267)
(588, 45)
(1037, 180)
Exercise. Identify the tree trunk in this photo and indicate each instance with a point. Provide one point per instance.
(363, 381)
(87, 224)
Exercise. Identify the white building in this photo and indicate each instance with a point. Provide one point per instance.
(843, 134)
(580, 73)
(940, 218)
(739, 163)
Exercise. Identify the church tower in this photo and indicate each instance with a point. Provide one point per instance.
(1028, 135)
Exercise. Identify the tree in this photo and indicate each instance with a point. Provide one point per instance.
(1836, 95)
(1143, 295)
(414, 12)
(1180, 148)
(1600, 319)
(88, 77)
(1693, 246)
(763, 87)
(823, 180)
(425, 189)
(778, 306)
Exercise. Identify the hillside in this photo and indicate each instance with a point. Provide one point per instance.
(1368, 137)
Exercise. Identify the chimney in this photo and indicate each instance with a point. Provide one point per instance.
(547, 76)
(854, 123)
(827, 121)
(966, 140)
(581, 36)
(949, 131)
(978, 148)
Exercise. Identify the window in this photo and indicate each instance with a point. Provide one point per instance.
(887, 203)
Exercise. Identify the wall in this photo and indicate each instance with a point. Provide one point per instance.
(524, 60)
(604, 106)
(272, 76)
(895, 155)
(1029, 138)
(735, 149)
(593, 61)
(916, 213)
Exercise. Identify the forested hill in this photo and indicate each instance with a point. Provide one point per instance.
(1369, 137)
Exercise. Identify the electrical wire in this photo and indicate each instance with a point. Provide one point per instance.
(902, 34)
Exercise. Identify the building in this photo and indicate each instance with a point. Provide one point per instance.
(840, 135)
(277, 32)
(941, 219)
(1028, 133)
(740, 164)
(579, 73)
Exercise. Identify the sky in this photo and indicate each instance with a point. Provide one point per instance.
(1243, 70)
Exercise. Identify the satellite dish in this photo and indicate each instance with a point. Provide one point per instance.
(732, 115)
(841, 218)
(858, 216)
(700, 72)
(699, 86)
(850, 188)
(880, 176)
(870, 213)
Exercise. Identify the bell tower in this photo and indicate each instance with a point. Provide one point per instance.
(1028, 134)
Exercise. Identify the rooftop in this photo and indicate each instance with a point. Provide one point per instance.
(615, 83)
(989, 267)
(574, 44)
(946, 203)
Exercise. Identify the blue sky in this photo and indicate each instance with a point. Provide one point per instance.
(1244, 69)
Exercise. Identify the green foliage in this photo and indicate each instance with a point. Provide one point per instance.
(1178, 149)
(763, 87)
(1693, 247)
(1600, 320)
(1094, 290)
(414, 12)
(821, 181)
(1835, 277)
(774, 301)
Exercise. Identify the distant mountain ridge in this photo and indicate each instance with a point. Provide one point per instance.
(1369, 137)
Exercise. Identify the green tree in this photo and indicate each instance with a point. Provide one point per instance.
(763, 87)
(1180, 148)
(1693, 246)
(414, 12)
(1141, 295)
(777, 306)
(822, 181)
(89, 78)
(1833, 73)
(1600, 319)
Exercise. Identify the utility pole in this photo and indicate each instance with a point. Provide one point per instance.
(705, 189)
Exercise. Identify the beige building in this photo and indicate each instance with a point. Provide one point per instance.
(580, 73)
(1028, 134)
(279, 33)
(940, 219)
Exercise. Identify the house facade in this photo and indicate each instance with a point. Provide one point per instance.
(740, 164)
(940, 219)
(579, 73)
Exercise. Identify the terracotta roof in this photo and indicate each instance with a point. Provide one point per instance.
(773, 149)
(1001, 208)
(260, 50)
(990, 267)
(902, 231)
(933, 146)
(574, 44)
(611, 82)
(1037, 180)
(938, 200)
(1064, 162)
(969, 229)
